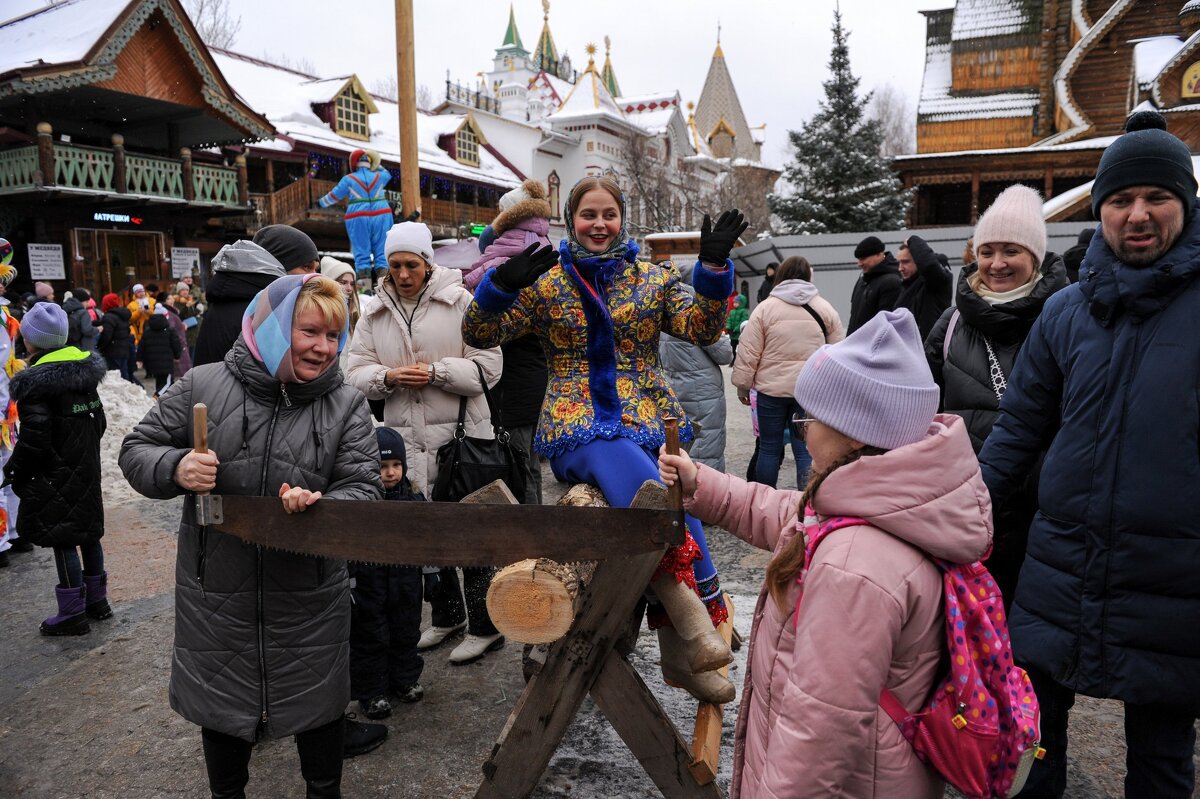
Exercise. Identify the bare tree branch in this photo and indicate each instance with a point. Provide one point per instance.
(214, 21)
(897, 121)
(387, 88)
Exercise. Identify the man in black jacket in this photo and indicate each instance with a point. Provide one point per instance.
(768, 283)
(926, 283)
(239, 271)
(879, 286)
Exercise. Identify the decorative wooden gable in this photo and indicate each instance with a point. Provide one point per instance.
(464, 143)
(348, 110)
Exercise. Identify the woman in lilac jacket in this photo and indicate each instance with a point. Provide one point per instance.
(810, 724)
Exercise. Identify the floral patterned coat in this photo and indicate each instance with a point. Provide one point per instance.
(605, 378)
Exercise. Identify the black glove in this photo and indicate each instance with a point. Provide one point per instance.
(716, 241)
(432, 583)
(523, 270)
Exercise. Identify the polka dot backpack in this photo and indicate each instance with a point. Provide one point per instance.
(980, 727)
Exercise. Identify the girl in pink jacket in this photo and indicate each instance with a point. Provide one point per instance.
(810, 724)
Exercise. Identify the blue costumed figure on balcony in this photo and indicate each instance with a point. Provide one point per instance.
(368, 214)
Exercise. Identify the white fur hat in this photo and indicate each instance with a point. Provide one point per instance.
(334, 268)
(410, 237)
(509, 199)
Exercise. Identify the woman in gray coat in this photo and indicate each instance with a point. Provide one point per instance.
(262, 636)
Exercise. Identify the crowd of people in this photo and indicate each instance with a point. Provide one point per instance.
(1038, 414)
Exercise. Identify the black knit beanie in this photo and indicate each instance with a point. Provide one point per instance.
(1146, 155)
(391, 446)
(871, 245)
(291, 247)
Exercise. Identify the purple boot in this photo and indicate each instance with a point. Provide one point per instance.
(96, 591)
(71, 618)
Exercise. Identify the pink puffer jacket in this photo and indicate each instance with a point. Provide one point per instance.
(810, 724)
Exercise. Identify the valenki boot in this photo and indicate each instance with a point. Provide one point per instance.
(703, 646)
(96, 593)
(707, 686)
(71, 618)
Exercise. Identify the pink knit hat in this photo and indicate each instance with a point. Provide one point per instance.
(43, 290)
(1015, 216)
(875, 385)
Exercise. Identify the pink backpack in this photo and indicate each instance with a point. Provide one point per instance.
(980, 727)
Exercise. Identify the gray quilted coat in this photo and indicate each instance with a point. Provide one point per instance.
(261, 636)
(695, 374)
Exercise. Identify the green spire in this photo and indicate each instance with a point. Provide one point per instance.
(512, 37)
(546, 55)
(608, 74)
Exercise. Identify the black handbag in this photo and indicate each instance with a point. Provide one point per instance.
(466, 464)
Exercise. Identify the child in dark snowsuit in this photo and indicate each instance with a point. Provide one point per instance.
(55, 466)
(386, 621)
(158, 349)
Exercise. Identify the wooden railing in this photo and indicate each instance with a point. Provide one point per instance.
(215, 184)
(157, 177)
(79, 167)
(17, 168)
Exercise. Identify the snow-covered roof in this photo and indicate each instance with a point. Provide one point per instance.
(589, 97)
(976, 19)
(1189, 6)
(285, 97)
(37, 35)
(653, 121)
(1151, 55)
(937, 104)
(1098, 143)
(1068, 198)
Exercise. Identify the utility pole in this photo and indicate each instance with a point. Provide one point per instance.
(406, 97)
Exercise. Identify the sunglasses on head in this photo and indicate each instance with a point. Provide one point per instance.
(799, 425)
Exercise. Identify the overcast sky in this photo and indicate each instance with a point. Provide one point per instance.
(777, 52)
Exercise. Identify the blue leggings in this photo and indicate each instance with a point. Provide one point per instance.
(619, 467)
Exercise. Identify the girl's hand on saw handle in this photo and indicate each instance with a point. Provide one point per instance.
(677, 467)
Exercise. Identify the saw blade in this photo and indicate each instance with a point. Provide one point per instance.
(444, 533)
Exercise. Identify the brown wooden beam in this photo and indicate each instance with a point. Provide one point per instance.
(974, 197)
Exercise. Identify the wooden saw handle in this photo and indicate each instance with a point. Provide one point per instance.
(675, 491)
(200, 427)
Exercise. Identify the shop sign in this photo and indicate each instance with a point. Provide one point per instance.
(126, 219)
(46, 262)
(184, 261)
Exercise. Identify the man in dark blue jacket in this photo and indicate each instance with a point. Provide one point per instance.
(1108, 603)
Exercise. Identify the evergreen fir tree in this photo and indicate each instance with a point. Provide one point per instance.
(841, 182)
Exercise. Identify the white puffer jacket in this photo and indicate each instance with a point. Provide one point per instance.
(426, 417)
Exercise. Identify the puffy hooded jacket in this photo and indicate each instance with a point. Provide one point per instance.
(426, 417)
(55, 465)
(810, 725)
(159, 346)
(81, 332)
(261, 635)
(114, 340)
(781, 336)
(239, 271)
(1109, 600)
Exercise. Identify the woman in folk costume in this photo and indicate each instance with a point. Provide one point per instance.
(9, 329)
(599, 315)
(368, 213)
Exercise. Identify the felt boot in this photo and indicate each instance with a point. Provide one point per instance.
(703, 646)
(96, 591)
(71, 618)
(707, 686)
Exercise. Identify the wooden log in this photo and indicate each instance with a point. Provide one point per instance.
(534, 601)
(706, 737)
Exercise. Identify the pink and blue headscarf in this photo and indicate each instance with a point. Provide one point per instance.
(267, 325)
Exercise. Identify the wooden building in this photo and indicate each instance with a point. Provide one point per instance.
(1032, 91)
(112, 119)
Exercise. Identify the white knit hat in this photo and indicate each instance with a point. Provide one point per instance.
(334, 268)
(411, 237)
(509, 199)
(1015, 216)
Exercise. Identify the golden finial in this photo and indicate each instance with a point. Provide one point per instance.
(690, 105)
(607, 44)
(591, 51)
(546, 9)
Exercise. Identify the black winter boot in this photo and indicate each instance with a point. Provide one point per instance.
(227, 760)
(96, 592)
(320, 753)
(71, 619)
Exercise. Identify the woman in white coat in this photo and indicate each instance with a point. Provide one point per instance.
(408, 351)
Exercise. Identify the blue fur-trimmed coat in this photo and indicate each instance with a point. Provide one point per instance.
(605, 377)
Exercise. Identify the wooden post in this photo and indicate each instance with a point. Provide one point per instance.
(189, 185)
(974, 196)
(706, 736)
(120, 185)
(45, 145)
(406, 90)
(1048, 184)
(270, 176)
(243, 180)
(674, 491)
